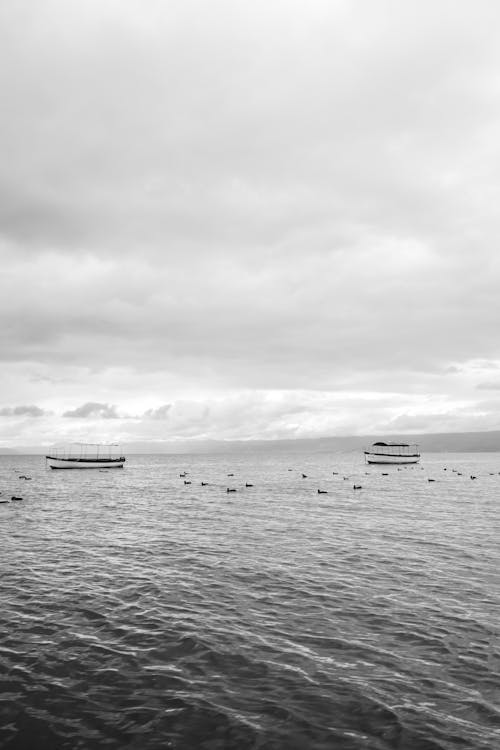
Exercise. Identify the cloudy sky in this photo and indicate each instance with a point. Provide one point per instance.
(248, 219)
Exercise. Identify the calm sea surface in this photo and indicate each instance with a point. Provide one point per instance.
(137, 611)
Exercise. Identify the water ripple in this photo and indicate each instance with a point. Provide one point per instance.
(140, 612)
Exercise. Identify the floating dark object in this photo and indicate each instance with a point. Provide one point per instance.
(186, 481)
(357, 487)
(22, 476)
(334, 472)
(459, 473)
(304, 476)
(230, 475)
(231, 489)
(2, 502)
(431, 480)
(183, 475)
(473, 477)
(247, 484)
(346, 478)
(14, 498)
(385, 474)
(204, 484)
(322, 492)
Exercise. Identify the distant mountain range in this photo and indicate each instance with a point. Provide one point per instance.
(453, 442)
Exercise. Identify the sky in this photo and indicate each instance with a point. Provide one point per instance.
(248, 220)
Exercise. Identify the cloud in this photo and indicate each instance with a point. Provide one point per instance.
(490, 386)
(249, 415)
(92, 410)
(22, 411)
(286, 198)
(162, 412)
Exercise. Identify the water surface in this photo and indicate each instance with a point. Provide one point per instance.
(141, 612)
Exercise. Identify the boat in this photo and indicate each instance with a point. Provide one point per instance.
(392, 453)
(87, 456)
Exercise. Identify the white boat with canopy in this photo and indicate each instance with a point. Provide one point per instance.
(392, 453)
(87, 456)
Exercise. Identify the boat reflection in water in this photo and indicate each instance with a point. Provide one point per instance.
(392, 453)
(87, 456)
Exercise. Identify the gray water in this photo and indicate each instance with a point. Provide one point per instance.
(137, 611)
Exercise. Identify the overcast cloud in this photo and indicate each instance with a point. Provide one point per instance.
(254, 219)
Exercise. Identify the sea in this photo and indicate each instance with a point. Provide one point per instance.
(140, 609)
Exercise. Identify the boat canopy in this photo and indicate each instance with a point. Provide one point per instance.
(399, 445)
(90, 451)
(392, 449)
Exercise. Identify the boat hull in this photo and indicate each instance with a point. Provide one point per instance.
(376, 459)
(82, 463)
